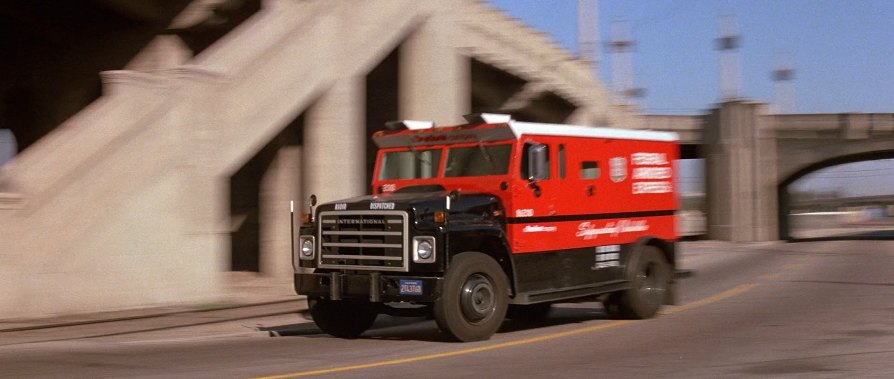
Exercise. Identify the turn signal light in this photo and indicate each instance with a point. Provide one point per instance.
(306, 218)
(440, 217)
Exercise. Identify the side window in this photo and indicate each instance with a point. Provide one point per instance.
(524, 161)
(562, 161)
(590, 170)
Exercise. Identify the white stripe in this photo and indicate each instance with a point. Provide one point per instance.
(532, 128)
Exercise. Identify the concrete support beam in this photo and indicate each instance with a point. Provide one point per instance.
(741, 174)
(583, 116)
(334, 163)
(279, 185)
(521, 99)
(434, 81)
(164, 52)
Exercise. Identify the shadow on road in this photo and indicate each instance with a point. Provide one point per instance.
(558, 315)
(389, 328)
(876, 235)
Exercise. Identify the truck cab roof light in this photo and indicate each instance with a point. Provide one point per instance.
(409, 124)
(487, 118)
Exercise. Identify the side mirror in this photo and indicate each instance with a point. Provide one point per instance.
(311, 202)
(538, 162)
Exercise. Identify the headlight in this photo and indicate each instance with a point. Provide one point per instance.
(424, 249)
(306, 248)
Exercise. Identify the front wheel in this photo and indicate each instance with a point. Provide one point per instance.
(342, 318)
(649, 282)
(474, 299)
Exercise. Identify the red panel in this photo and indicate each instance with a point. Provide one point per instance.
(634, 180)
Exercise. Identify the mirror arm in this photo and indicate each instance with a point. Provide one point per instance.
(533, 185)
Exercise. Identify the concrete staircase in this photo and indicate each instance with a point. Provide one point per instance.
(82, 217)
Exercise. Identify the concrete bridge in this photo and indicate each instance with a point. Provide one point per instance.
(835, 203)
(185, 165)
(752, 157)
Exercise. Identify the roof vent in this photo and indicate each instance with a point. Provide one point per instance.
(487, 118)
(409, 124)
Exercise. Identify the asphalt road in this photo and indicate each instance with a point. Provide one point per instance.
(814, 309)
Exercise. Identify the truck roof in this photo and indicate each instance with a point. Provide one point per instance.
(507, 131)
(533, 128)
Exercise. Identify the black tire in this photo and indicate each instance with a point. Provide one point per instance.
(649, 279)
(342, 318)
(531, 312)
(474, 299)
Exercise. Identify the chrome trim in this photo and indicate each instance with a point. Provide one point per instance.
(352, 244)
(353, 233)
(434, 249)
(362, 257)
(301, 240)
(404, 246)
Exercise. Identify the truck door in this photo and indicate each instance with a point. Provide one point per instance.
(579, 173)
(534, 199)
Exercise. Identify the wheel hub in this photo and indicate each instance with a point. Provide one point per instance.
(651, 286)
(477, 298)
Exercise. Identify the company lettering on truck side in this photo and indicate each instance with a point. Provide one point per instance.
(653, 172)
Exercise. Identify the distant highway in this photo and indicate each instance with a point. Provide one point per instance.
(817, 309)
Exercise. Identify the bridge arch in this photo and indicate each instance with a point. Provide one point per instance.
(783, 193)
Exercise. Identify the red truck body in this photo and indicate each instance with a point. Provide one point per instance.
(495, 216)
(606, 186)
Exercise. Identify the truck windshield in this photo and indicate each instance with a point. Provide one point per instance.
(412, 164)
(478, 160)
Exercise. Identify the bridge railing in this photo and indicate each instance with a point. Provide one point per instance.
(833, 125)
(688, 127)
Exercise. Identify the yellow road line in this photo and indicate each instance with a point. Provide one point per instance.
(712, 299)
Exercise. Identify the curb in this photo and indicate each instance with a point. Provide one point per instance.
(48, 324)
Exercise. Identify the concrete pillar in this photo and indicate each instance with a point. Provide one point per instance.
(13, 270)
(434, 80)
(163, 52)
(205, 199)
(279, 185)
(334, 161)
(741, 175)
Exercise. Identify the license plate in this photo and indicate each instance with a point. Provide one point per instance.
(410, 287)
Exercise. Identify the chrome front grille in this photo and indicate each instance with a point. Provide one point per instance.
(363, 240)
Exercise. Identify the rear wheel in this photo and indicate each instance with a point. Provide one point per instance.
(342, 318)
(649, 280)
(474, 299)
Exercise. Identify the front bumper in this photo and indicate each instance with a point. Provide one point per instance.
(373, 287)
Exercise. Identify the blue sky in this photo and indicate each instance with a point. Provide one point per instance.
(842, 51)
